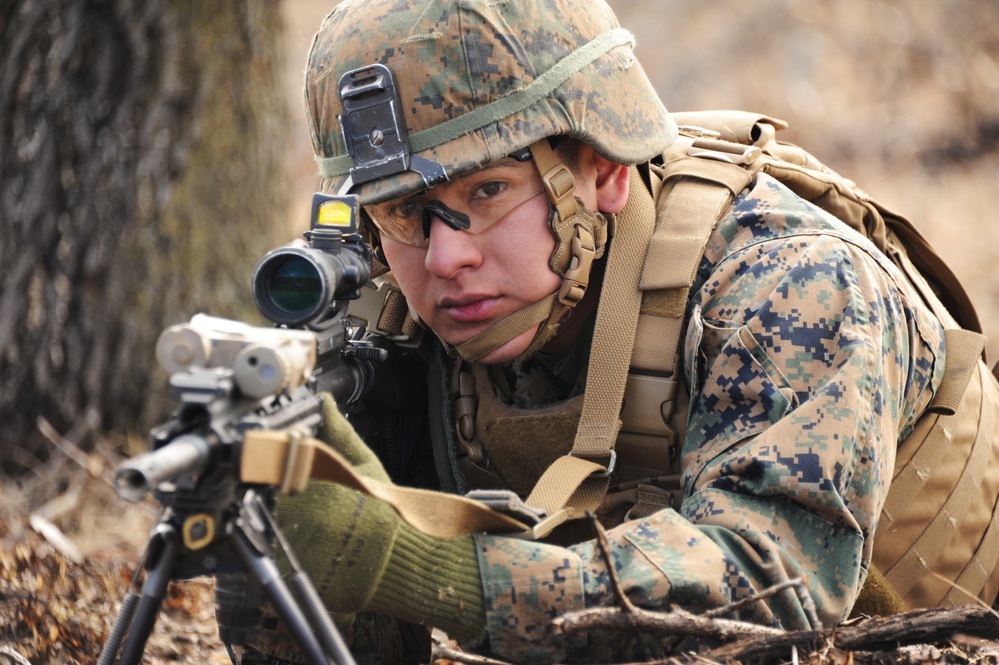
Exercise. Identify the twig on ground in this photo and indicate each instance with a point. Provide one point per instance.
(807, 603)
(748, 641)
(10, 654)
(739, 604)
(615, 584)
(673, 622)
(67, 502)
(920, 626)
(95, 465)
(71, 450)
(441, 652)
(55, 537)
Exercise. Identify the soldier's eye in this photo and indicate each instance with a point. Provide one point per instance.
(411, 209)
(488, 190)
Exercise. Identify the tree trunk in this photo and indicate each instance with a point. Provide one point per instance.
(140, 179)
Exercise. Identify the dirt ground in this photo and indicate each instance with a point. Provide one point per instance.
(902, 97)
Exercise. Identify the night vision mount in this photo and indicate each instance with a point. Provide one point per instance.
(374, 130)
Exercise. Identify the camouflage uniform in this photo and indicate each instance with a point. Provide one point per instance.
(808, 358)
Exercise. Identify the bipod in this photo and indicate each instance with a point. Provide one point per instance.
(185, 544)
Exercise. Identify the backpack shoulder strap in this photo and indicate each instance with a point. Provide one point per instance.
(640, 317)
(576, 483)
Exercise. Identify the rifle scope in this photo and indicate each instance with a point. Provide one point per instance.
(300, 283)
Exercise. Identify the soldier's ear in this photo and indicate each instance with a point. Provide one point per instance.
(612, 184)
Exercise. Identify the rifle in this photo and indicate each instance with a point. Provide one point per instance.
(232, 378)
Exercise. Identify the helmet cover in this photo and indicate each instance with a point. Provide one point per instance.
(480, 79)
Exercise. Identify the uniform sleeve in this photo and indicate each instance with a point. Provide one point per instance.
(807, 359)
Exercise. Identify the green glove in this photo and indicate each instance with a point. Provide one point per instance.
(339, 434)
(362, 556)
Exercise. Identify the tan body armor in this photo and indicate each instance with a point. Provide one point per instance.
(938, 538)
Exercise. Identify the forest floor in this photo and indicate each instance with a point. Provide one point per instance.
(69, 546)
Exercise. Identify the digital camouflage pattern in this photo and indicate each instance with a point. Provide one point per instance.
(451, 58)
(809, 357)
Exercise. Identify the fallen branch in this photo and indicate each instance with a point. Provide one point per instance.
(926, 626)
(440, 652)
(804, 597)
(72, 450)
(12, 655)
(752, 642)
(446, 650)
(673, 622)
(56, 538)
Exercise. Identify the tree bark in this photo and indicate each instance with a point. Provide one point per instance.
(140, 179)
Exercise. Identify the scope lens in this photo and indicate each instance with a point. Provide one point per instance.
(295, 285)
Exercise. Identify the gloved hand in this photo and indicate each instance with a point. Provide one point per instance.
(339, 434)
(362, 556)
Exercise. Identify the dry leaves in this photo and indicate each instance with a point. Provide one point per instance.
(53, 610)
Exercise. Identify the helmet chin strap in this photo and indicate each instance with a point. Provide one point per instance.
(580, 238)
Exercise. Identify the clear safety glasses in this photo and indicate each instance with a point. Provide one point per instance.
(408, 220)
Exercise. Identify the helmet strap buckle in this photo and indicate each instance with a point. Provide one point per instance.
(577, 275)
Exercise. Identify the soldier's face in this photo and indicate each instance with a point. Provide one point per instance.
(464, 281)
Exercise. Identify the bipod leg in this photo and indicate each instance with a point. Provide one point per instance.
(161, 557)
(120, 627)
(263, 569)
(306, 592)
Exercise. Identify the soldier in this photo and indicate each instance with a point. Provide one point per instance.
(530, 142)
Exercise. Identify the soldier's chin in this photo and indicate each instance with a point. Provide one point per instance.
(511, 349)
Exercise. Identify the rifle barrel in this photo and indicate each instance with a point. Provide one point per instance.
(138, 476)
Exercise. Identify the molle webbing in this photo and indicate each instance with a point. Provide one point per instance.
(810, 179)
(940, 522)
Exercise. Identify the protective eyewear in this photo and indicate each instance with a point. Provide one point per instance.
(409, 220)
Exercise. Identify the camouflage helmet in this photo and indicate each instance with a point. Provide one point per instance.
(479, 80)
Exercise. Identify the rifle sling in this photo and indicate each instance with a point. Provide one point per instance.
(288, 460)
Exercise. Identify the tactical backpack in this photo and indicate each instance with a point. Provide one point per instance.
(937, 542)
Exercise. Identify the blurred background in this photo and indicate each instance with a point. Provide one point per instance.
(152, 151)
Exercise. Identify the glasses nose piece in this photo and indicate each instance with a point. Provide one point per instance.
(456, 220)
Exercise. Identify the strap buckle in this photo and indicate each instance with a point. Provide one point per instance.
(559, 183)
(611, 464)
(540, 523)
(507, 502)
(577, 275)
(648, 404)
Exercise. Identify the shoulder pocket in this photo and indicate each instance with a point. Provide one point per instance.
(736, 391)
